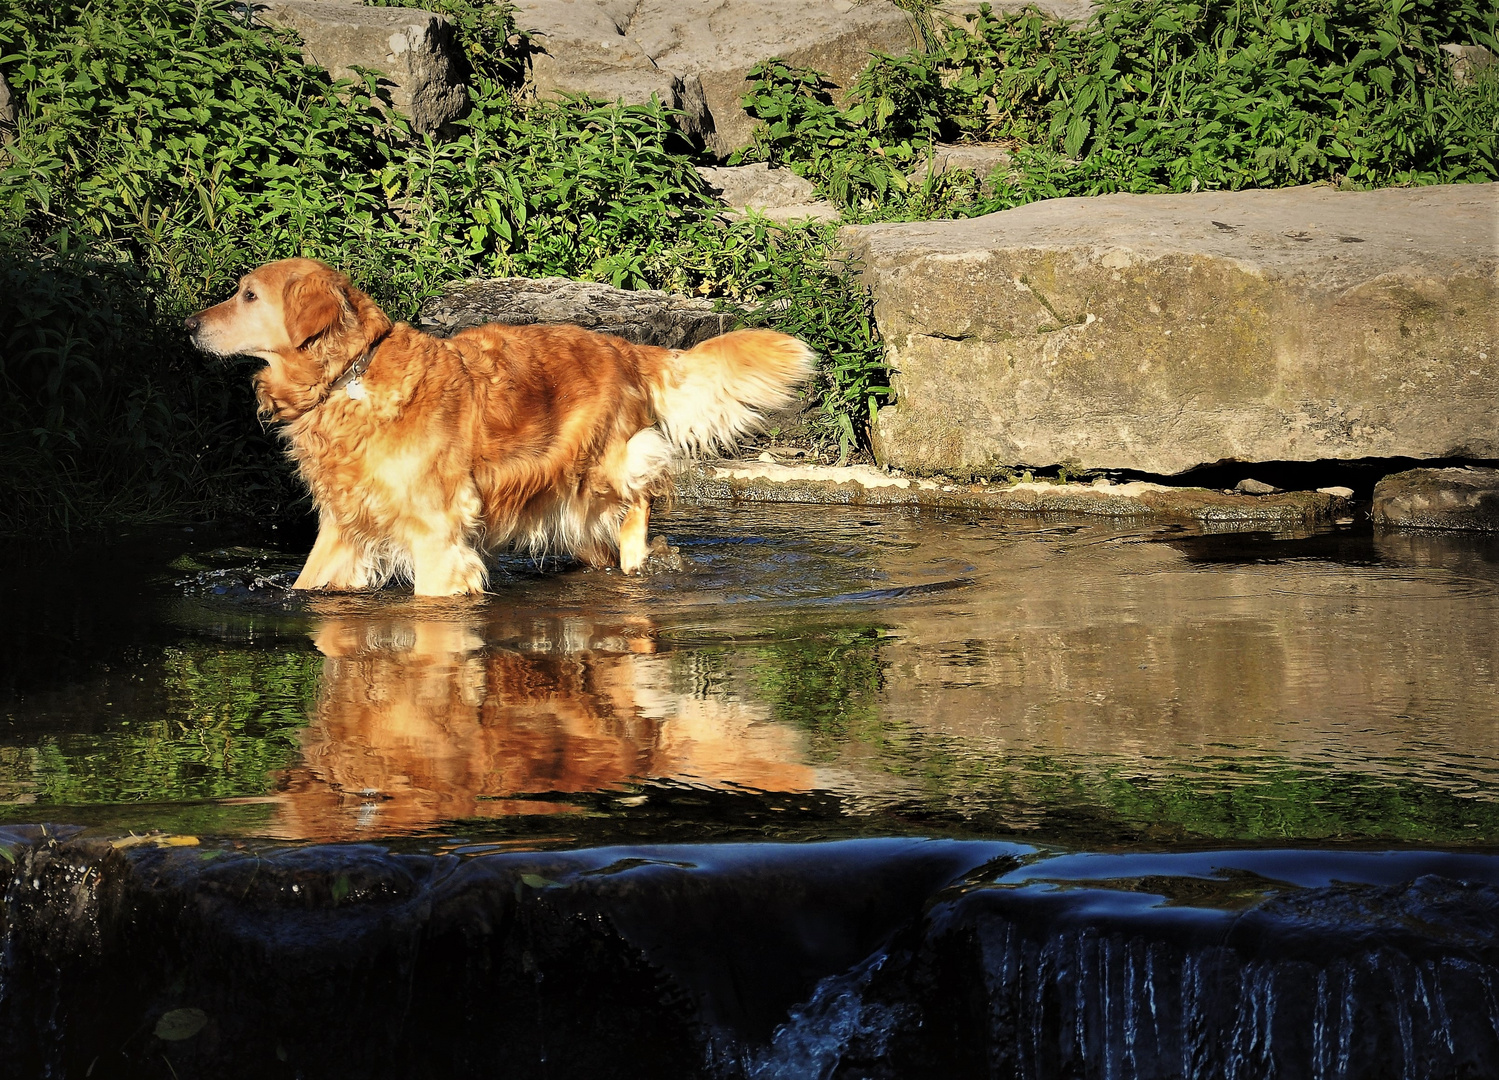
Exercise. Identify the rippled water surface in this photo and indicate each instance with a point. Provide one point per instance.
(811, 672)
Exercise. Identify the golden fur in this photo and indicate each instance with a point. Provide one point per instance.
(552, 439)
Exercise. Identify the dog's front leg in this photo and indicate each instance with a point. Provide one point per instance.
(632, 536)
(333, 563)
(444, 566)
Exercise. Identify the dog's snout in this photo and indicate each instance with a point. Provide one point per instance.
(192, 322)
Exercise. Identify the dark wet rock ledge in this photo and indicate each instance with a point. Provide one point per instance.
(862, 958)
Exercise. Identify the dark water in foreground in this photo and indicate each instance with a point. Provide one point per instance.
(1088, 799)
(813, 672)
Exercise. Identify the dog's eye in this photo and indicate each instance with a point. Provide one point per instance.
(247, 294)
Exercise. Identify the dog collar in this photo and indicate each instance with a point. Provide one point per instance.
(352, 380)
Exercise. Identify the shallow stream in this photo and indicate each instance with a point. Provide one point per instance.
(1047, 690)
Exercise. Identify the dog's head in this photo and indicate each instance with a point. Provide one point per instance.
(304, 319)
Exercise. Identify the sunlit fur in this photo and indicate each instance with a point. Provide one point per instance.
(539, 437)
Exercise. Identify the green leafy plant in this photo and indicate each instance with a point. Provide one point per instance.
(1153, 96)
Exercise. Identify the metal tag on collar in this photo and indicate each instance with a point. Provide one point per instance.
(355, 389)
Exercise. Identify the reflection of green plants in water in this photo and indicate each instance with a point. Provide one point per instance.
(1281, 801)
(827, 681)
(230, 718)
(1101, 801)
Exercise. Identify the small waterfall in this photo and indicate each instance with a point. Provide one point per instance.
(1045, 979)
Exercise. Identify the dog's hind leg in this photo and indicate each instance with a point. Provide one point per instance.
(632, 536)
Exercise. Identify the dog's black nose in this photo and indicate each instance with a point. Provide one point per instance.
(192, 322)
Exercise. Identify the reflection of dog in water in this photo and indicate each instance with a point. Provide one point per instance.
(421, 452)
(416, 725)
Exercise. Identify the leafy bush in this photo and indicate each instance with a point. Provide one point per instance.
(1152, 96)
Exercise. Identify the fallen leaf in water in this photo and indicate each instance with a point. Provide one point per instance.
(159, 839)
(536, 881)
(7, 854)
(178, 1024)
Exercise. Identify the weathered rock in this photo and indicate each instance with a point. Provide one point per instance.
(1439, 499)
(586, 48)
(644, 317)
(7, 112)
(860, 485)
(981, 158)
(1158, 333)
(694, 54)
(1466, 61)
(1071, 10)
(415, 50)
(1250, 486)
(327, 961)
(778, 194)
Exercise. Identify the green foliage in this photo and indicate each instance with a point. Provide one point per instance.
(1154, 96)
(1174, 96)
(860, 155)
(165, 147)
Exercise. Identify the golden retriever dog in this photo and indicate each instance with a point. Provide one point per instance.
(421, 452)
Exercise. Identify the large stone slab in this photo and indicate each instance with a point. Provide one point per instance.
(415, 50)
(694, 54)
(1161, 332)
(1466, 499)
(860, 485)
(645, 317)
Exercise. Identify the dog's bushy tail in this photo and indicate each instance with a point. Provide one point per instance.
(713, 393)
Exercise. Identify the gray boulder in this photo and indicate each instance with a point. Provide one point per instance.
(586, 48)
(415, 50)
(1466, 61)
(778, 194)
(1070, 10)
(7, 112)
(695, 54)
(1439, 499)
(982, 159)
(644, 317)
(1162, 332)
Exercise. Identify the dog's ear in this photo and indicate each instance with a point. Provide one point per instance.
(313, 304)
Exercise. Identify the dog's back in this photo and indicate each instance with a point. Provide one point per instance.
(579, 426)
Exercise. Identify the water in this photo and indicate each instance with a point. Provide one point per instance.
(853, 793)
(811, 672)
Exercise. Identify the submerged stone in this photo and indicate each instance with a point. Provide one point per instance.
(861, 485)
(1466, 499)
